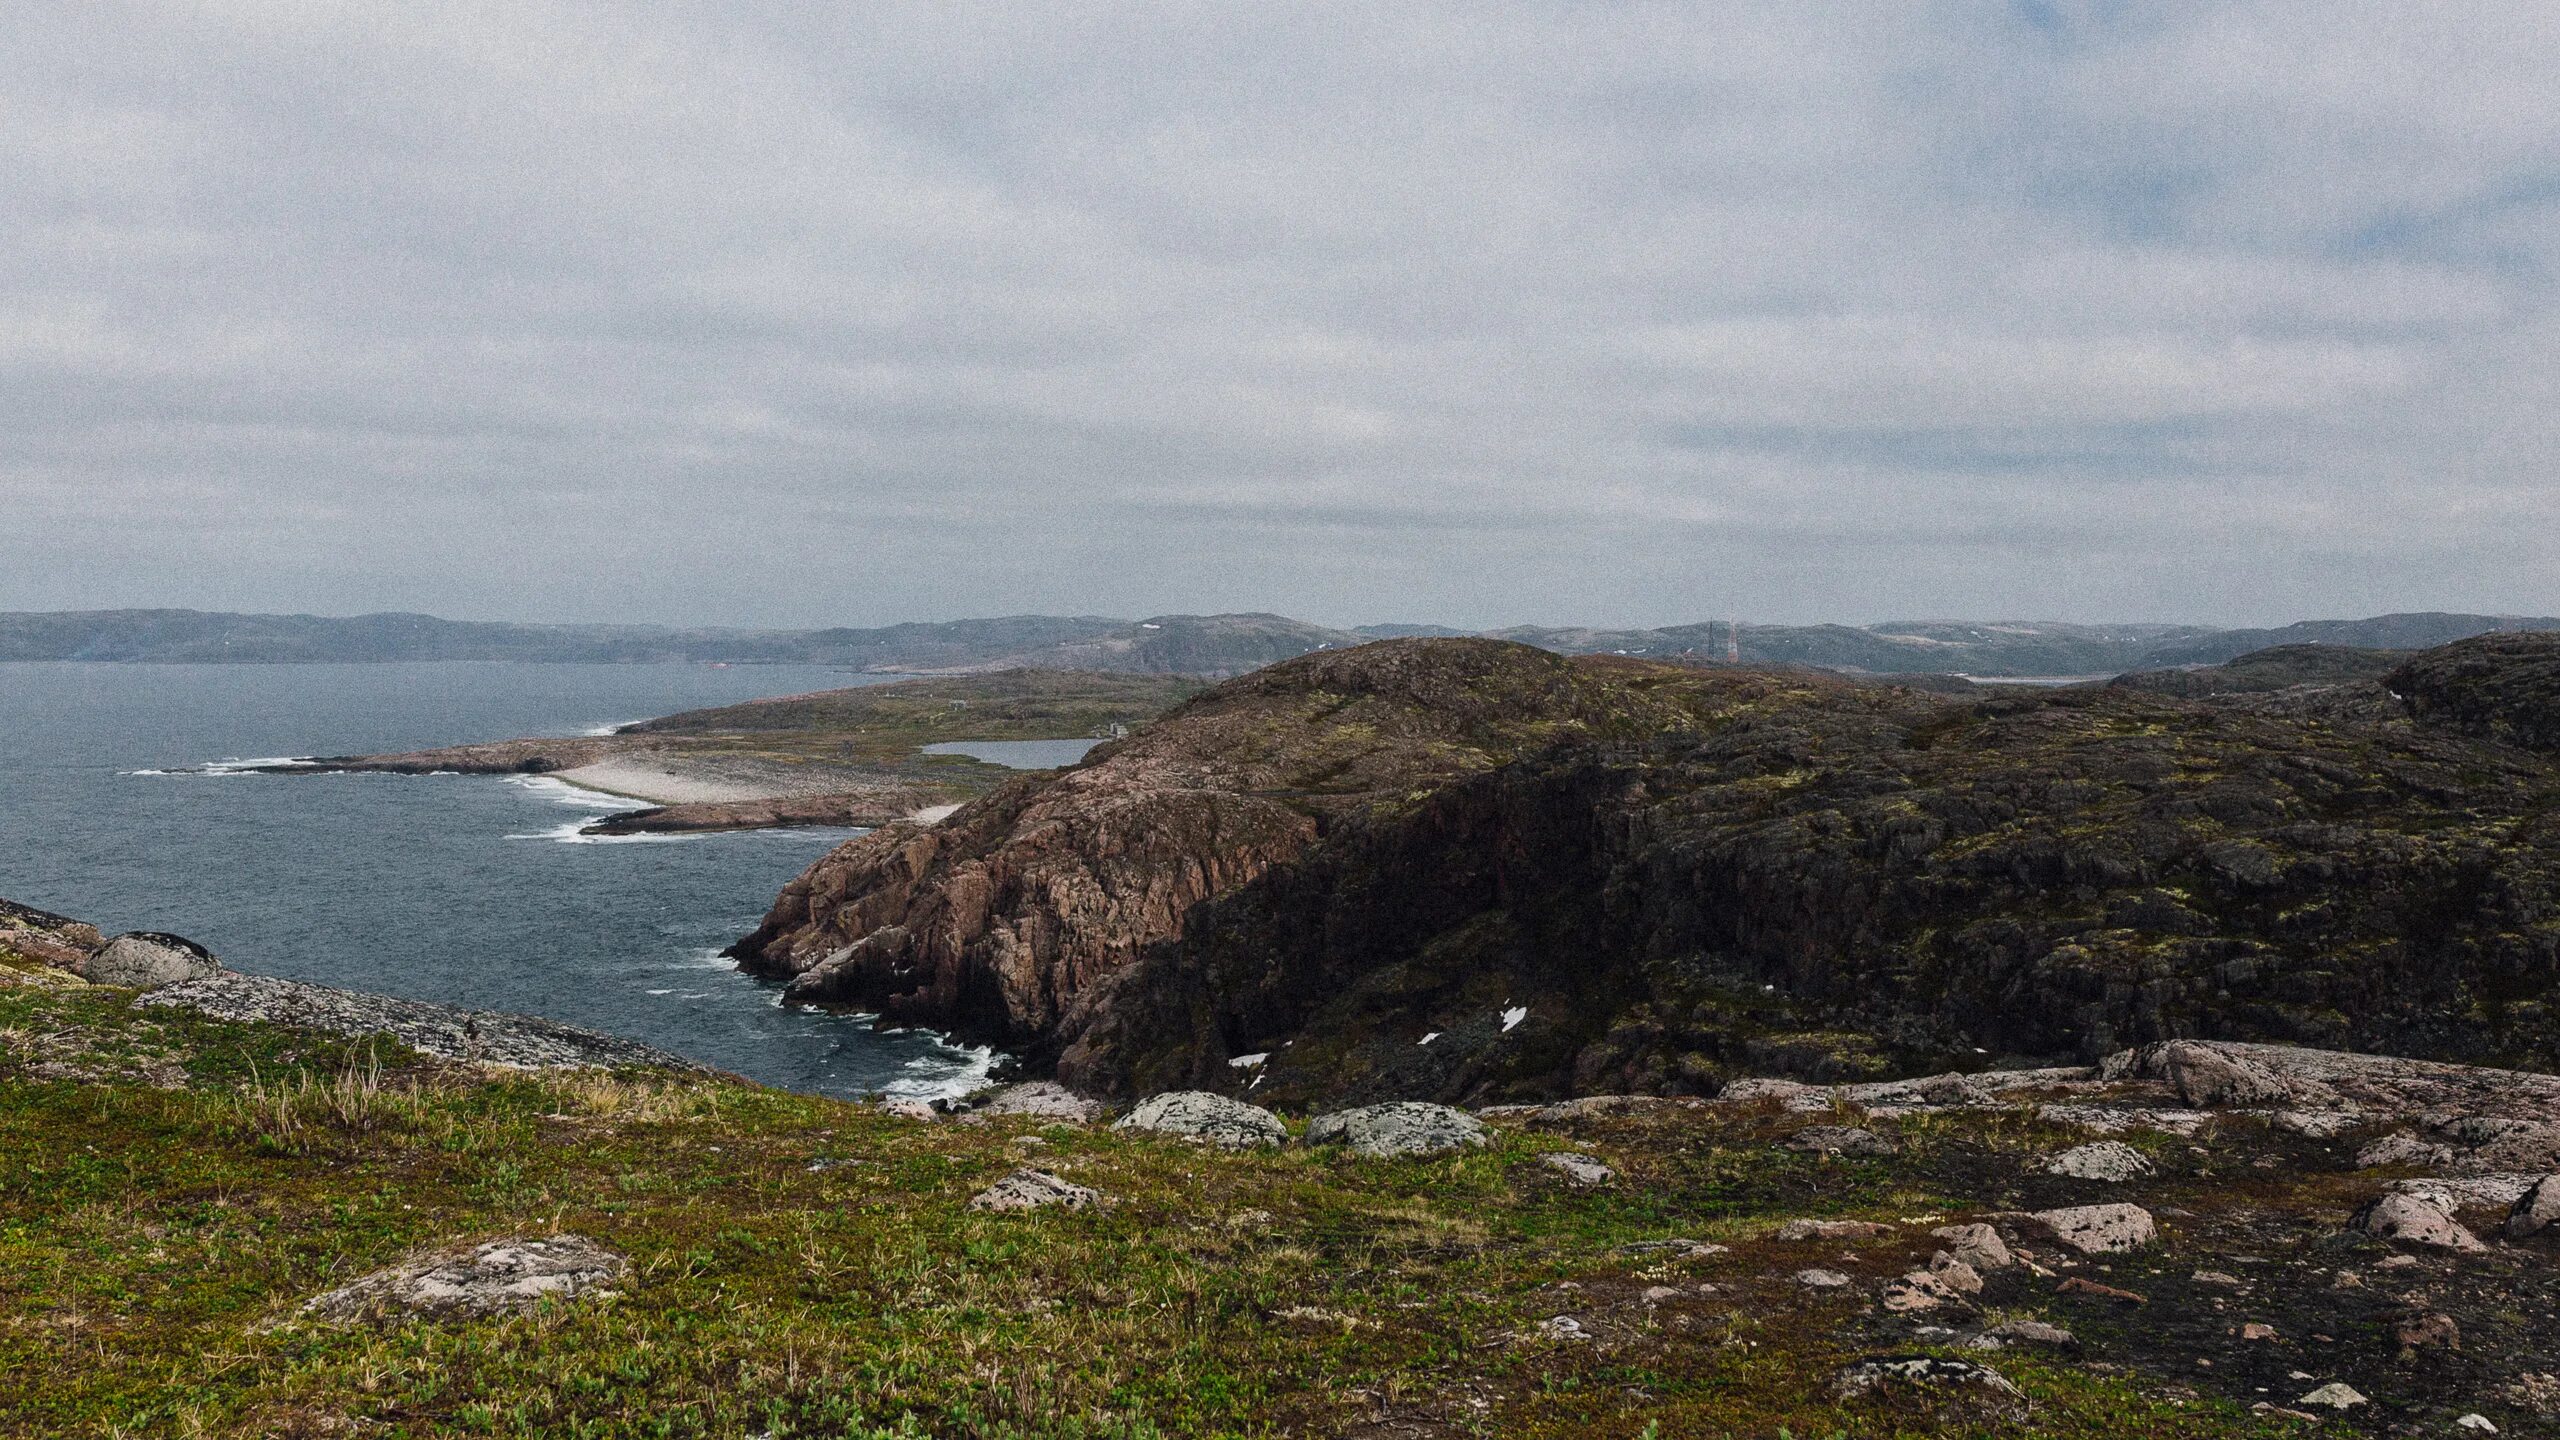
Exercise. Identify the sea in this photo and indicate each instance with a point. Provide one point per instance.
(130, 797)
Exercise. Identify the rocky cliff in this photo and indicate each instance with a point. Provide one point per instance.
(992, 922)
(1474, 872)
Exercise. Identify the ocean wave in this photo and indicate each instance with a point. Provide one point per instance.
(575, 833)
(598, 732)
(955, 1073)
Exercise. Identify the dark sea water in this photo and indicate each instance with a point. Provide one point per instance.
(472, 890)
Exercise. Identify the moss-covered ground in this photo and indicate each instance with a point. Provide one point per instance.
(171, 1187)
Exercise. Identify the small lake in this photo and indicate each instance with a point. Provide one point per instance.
(1018, 754)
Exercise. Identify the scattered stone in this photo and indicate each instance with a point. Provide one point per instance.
(499, 1277)
(1564, 1328)
(1398, 1128)
(2536, 1210)
(1656, 1294)
(1796, 1230)
(2337, 1395)
(2254, 1331)
(2475, 1421)
(2109, 1160)
(1028, 1189)
(2402, 1148)
(2410, 1220)
(147, 960)
(2217, 1277)
(1844, 1140)
(2425, 1330)
(2025, 1332)
(1676, 1249)
(1199, 1115)
(1821, 1279)
(2100, 1229)
(1043, 1100)
(1579, 1170)
(1979, 1246)
(1927, 1376)
(2075, 1285)
(1947, 1278)
(909, 1110)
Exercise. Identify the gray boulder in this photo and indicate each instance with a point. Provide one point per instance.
(1028, 1189)
(1398, 1128)
(2412, 1220)
(2536, 1210)
(1579, 1170)
(498, 1278)
(2110, 1160)
(2100, 1229)
(1199, 1115)
(1043, 1100)
(147, 960)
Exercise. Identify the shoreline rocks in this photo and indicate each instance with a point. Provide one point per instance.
(447, 1032)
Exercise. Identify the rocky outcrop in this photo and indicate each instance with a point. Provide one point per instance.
(1398, 1128)
(146, 960)
(1845, 883)
(40, 938)
(1028, 1189)
(446, 1031)
(994, 922)
(501, 1277)
(2499, 687)
(1198, 1115)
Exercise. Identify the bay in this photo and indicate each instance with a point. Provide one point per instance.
(471, 890)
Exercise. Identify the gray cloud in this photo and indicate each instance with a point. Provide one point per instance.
(1629, 313)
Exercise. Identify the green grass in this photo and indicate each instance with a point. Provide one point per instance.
(160, 1220)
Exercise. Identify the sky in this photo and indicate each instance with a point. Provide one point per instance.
(1480, 314)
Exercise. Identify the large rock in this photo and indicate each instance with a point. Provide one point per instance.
(1932, 1381)
(1398, 1127)
(147, 960)
(45, 938)
(499, 1277)
(2110, 1160)
(2412, 1220)
(2209, 1075)
(1028, 1189)
(2100, 1229)
(1199, 1115)
(1043, 1100)
(2536, 1210)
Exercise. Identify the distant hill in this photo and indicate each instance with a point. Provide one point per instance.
(2276, 668)
(1208, 645)
(2423, 630)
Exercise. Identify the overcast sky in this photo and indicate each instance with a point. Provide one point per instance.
(1483, 314)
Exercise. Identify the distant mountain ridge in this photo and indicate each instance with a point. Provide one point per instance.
(1209, 645)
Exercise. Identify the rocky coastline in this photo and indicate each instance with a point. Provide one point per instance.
(1476, 873)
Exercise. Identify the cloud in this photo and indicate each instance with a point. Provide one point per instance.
(1626, 313)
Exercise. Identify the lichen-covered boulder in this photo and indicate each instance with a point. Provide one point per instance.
(1398, 1128)
(2536, 1210)
(1028, 1189)
(146, 960)
(500, 1277)
(2109, 1160)
(1200, 1115)
(2100, 1229)
(1043, 1100)
(2413, 1220)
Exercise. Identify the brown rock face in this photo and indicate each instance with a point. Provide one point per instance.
(991, 923)
(46, 939)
